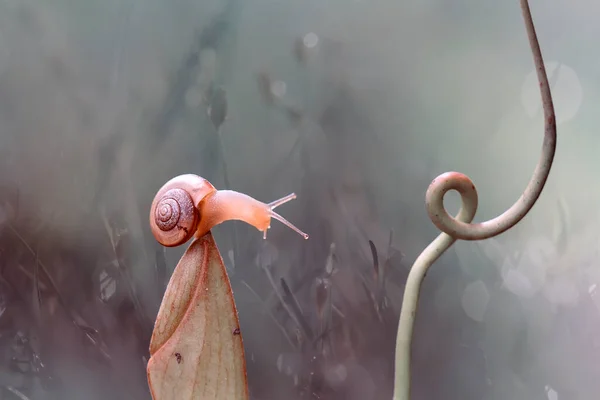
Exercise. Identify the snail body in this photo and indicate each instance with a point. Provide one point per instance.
(189, 205)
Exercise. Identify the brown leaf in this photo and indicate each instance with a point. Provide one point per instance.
(196, 348)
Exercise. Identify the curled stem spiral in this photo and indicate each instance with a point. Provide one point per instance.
(460, 227)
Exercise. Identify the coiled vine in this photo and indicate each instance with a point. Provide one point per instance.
(461, 227)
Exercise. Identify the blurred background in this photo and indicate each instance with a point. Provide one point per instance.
(355, 105)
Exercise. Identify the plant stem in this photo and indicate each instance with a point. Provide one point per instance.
(461, 227)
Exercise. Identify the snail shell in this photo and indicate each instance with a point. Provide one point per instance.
(174, 214)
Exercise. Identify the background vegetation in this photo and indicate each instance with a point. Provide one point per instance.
(355, 106)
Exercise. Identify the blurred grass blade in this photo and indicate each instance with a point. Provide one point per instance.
(196, 347)
(36, 295)
(270, 312)
(375, 260)
(294, 305)
(17, 393)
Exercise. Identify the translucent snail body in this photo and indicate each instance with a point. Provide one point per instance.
(189, 205)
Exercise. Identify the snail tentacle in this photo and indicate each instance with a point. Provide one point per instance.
(274, 204)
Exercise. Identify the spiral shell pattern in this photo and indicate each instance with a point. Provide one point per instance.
(174, 218)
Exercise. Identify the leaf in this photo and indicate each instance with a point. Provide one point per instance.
(196, 348)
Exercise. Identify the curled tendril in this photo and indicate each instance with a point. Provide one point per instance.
(460, 227)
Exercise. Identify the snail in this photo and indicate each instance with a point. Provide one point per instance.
(189, 205)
